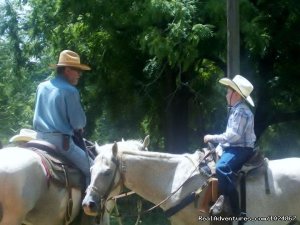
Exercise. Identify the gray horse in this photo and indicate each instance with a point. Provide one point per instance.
(166, 179)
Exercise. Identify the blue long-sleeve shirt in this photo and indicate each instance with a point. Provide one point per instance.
(240, 128)
(58, 108)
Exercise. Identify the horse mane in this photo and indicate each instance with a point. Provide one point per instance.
(195, 157)
(132, 147)
(153, 154)
(124, 145)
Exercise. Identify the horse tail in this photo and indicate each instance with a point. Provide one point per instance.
(1, 212)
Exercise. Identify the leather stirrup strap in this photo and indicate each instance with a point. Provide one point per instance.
(69, 209)
(211, 195)
(243, 197)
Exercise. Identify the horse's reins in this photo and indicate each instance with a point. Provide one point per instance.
(164, 200)
(125, 194)
(174, 192)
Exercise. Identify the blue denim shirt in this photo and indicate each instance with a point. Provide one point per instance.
(240, 128)
(58, 108)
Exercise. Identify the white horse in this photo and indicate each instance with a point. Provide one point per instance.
(165, 179)
(26, 198)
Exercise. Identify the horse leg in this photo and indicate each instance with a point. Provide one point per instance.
(105, 219)
(110, 205)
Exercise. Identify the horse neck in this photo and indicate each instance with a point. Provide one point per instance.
(154, 176)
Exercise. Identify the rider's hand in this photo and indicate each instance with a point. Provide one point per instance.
(207, 138)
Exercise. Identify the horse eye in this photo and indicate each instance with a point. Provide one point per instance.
(107, 172)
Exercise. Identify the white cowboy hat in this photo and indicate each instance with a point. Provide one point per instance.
(241, 85)
(24, 135)
(71, 59)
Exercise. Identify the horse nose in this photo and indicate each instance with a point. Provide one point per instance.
(89, 203)
(92, 205)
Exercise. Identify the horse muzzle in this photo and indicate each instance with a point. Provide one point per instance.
(91, 206)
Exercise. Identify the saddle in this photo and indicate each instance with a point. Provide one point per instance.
(255, 166)
(59, 170)
(209, 189)
(255, 162)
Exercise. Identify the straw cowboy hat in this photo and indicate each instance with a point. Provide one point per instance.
(24, 135)
(241, 85)
(71, 59)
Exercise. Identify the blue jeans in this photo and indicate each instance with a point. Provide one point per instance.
(228, 165)
(74, 154)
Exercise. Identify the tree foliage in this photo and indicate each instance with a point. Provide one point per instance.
(15, 80)
(155, 64)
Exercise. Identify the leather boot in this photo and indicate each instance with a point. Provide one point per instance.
(217, 208)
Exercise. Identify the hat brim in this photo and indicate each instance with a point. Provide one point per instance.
(230, 83)
(18, 137)
(79, 66)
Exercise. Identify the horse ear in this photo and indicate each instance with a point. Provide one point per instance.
(115, 149)
(146, 142)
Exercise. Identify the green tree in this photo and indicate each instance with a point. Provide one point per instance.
(15, 80)
(270, 50)
(156, 63)
(147, 57)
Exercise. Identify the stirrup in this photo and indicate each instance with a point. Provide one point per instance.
(217, 208)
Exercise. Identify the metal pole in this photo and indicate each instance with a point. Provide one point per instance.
(233, 38)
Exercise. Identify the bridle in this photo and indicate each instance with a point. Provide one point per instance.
(104, 198)
(116, 161)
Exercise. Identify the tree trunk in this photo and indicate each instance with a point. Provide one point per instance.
(264, 110)
(176, 115)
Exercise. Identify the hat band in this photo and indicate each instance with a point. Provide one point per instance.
(244, 96)
(69, 63)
